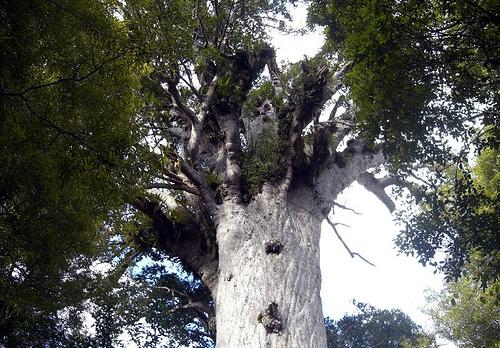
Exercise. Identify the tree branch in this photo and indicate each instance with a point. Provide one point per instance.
(197, 126)
(206, 193)
(177, 102)
(70, 134)
(377, 186)
(275, 74)
(74, 78)
(179, 187)
(341, 206)
(351, 253)
(192, 242)
(340, 170)
(200, 22)
(303, 106)
(337, 80)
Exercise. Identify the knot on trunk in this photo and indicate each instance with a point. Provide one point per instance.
(271, 319)
(273, 247)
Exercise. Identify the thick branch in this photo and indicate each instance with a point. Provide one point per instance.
(230, 127)
(377, 186)
(343, 168)
(344, 124)
(244, 69)
(161, 223)
(190, 241)
(295, 132)
(207, 194)
(175, 186)
(197, 125)
(192, 302)
(337, 81)
(275, 74)
(177, 102)
(303, 107)
(328, 89)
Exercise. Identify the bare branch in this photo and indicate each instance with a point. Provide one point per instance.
(341, 224)
(351, 253)
(341, 206)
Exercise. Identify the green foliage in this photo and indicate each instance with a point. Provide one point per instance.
(461, 216)
(153, 306)
(68, 134)
(467, 314)
(423, 72)
(420, 70)
(373, 327)
(487, 171)
(262, 162)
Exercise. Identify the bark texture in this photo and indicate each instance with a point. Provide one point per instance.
(258, 253)
(268, 292)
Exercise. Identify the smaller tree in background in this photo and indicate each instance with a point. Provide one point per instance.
(467, 314)
(373, 327)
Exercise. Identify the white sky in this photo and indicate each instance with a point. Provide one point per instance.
(396, 281)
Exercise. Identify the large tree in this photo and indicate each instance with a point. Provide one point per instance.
(243, 166)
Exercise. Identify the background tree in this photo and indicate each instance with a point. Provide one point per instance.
(70, 148)
(466, 313)
(156, 127)
(372, 327)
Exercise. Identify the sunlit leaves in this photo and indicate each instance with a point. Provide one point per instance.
(466, 313)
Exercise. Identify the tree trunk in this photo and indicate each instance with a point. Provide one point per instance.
(268, 289)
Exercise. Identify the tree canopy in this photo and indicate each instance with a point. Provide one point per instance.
(373, 327)
(126, 127)
(466, 313)
(70, 153)
(426, 71)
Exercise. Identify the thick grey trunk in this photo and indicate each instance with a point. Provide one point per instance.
(268, 290)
